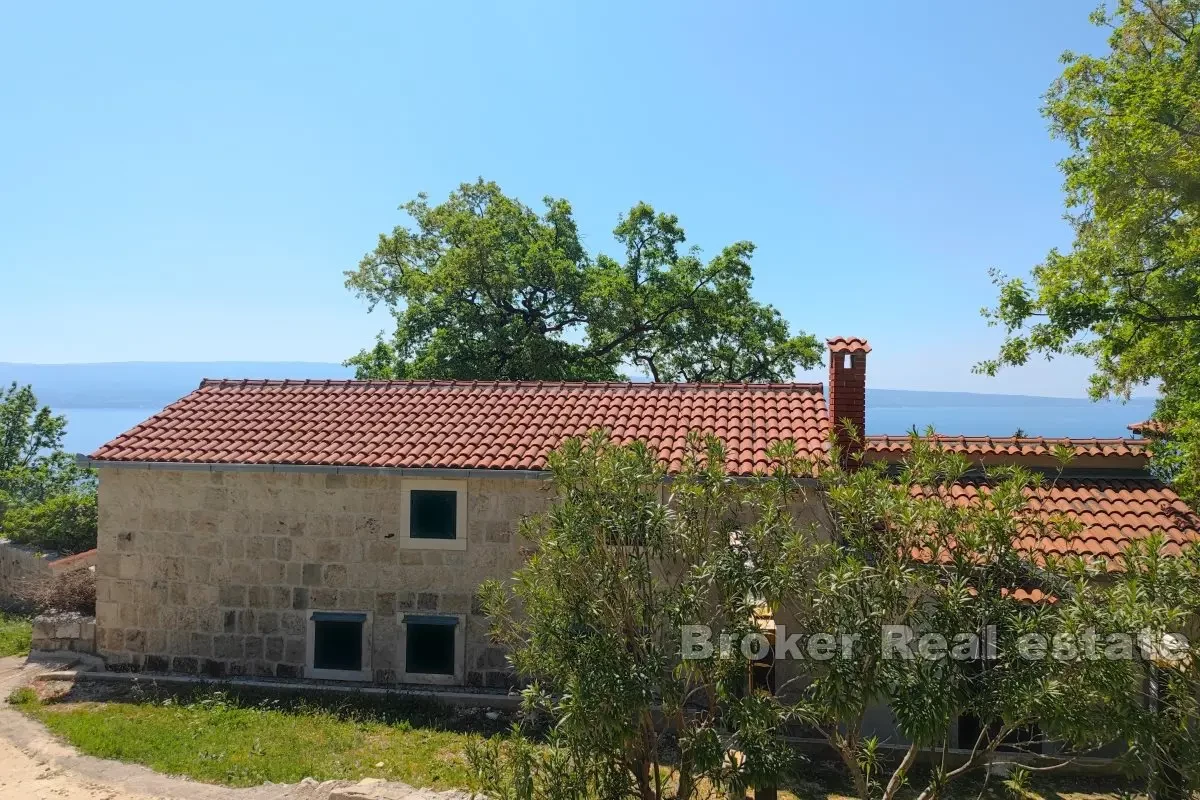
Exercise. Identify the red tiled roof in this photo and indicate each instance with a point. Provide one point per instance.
(1112, 511)
(86, 558)
(1007, 445)
(465, 425)
(1031, 596)
(1031, 451)
(848, 344)
(1144, 427)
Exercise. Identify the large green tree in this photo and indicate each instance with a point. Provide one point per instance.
(46, 500)
(592, 621)
(642, 604)
(1127, 293)
(483, 287)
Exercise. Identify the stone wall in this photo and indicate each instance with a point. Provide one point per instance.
(70, 632)
(21, 568)
(24, 570)
(216, 572)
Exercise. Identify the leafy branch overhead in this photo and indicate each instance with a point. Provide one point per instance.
(484, 287)
(1127, 294)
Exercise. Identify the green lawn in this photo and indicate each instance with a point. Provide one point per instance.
(14, 635)
(218, 742)
(220, 738)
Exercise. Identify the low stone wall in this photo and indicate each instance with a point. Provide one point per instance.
(23, 570)
(70, 632)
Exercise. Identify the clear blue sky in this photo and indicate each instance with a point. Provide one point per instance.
(189, 184)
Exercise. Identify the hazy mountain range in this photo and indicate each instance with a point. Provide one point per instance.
(102, 400)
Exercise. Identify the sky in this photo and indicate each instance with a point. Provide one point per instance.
(189, 183)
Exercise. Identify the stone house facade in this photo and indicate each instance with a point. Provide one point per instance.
(339, 530)
(221, 573)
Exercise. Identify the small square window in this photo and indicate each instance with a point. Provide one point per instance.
(433, 514)
(429, 645)
(337, 645)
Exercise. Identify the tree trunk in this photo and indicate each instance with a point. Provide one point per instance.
(893, 785)
(855, 770)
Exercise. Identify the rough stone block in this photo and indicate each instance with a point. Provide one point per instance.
(274, 648)
(185, 664)
(292, 623)
(293, 651)
(379, 553)
(385, 603)
(260, 548)
(334, 575)
(272, 572)
(254, 648)
(202, 645)
(455, 603)
(258, 596)
(227, 646)
(281, 597)
(324, 598)
(289, 671)
(135, 640)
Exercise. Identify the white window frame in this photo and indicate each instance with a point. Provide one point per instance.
(310, 645)
(460, 651)
(406, 540)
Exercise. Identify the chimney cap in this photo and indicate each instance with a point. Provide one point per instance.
(848, 344)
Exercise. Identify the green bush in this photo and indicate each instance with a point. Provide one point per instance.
(15, 634)
(47, 501)
(63, 523)
(23, 696)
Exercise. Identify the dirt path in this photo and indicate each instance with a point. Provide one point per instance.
(36, 766)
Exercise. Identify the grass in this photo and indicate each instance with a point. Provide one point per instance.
(223, 738)
(216, 739)
(15, 633)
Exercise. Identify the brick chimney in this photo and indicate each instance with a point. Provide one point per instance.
(848, 392)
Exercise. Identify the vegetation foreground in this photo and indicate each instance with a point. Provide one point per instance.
(15, 634)
(216, 737)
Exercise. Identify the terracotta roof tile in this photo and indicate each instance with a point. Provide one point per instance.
(1007, 445)
(848, 344)
(464, 425)
(1112, 511)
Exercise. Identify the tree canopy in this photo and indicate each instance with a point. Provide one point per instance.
(1127, 293)
(484, 287)
(46, 500)
(643, 601)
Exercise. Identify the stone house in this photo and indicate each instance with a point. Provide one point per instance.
(337, 530)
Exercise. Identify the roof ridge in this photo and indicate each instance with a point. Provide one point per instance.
(225, 383)
(903, 437)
